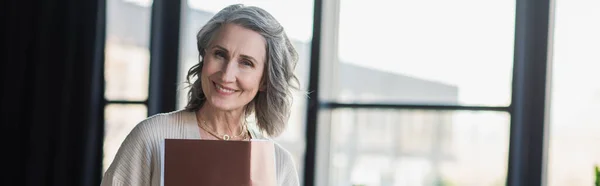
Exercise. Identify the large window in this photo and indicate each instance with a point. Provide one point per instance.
(126, 72)
(296, 18)
(574, 147)
(417, 54)
(436, 52)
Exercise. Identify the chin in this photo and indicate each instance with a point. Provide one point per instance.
(223, 105)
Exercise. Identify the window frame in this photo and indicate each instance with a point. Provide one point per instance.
(528, 109)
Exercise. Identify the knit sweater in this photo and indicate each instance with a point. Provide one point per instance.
(138, 160)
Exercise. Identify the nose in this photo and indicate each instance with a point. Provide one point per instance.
(228, 72)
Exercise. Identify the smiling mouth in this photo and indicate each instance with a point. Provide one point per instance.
(222, 89)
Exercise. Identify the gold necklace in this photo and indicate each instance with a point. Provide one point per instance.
(225, 136)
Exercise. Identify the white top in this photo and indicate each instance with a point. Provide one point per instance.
(138, 161)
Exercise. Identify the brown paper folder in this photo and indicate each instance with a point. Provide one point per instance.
(218, 163)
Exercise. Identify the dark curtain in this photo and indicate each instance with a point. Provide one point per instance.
(52, 89)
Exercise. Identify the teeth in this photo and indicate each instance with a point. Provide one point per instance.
(224, 89)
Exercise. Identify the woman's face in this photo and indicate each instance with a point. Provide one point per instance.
(233, 67)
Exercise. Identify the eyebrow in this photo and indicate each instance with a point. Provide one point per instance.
(249, 58)
(222, 48)
(242, 55)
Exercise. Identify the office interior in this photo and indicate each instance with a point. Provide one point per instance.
(392, 93)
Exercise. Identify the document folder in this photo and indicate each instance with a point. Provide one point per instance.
(218, 163)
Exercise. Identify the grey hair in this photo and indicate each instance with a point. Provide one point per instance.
(272, 106)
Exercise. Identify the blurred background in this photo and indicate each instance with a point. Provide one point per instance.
(413, 93)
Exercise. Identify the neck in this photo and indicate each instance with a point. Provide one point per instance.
(220, 121)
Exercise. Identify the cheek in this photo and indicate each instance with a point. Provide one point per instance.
(249, 85)
(204, 77)
(252, 83)
(208, 67)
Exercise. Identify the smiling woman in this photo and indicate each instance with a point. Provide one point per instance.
(233, 68)
(234, 56)
(246, 68)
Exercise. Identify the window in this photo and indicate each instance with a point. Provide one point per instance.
(126, 70)
(296, 18)
(406, 56)
(414, 52)
(574, 137)
(418, 147)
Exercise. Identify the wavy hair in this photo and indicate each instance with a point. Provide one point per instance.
(272, 106)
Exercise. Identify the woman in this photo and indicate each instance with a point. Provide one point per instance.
(246, 69)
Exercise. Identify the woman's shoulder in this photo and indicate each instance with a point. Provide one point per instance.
(166, 120)
(162, 125)
(174, 116)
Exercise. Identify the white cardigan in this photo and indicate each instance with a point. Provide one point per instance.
(138, 160)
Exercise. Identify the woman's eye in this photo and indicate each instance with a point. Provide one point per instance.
(247, 63)
(219, 54)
